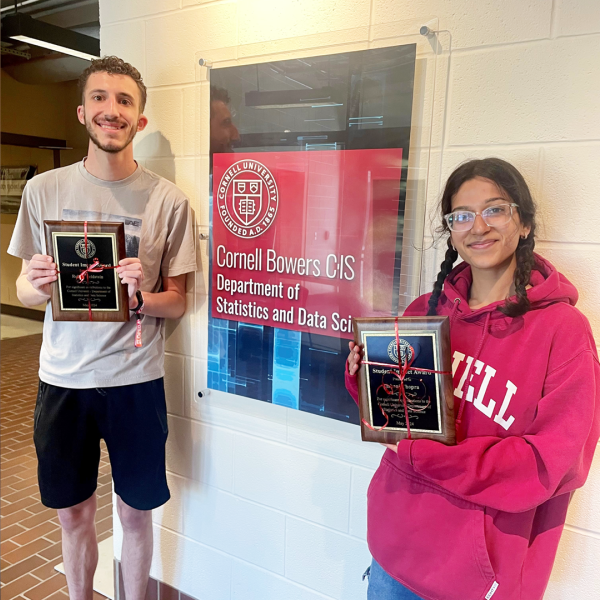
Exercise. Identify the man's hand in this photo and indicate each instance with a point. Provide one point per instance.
(354, 358)
(40, 271)
(131, 273)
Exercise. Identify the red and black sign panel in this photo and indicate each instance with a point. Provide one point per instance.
(305, 240)
(309, 163)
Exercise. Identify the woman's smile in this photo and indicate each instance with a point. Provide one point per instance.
(481, 244)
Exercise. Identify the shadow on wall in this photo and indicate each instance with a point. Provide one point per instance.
(344, 559)
(192, 505)
(183, 447)
(156, 145)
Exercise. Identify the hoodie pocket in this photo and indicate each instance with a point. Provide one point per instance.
(427, 538)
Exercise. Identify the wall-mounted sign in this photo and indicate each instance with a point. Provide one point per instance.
(309, 170)
(303, 240)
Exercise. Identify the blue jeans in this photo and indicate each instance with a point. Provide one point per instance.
(384, 587)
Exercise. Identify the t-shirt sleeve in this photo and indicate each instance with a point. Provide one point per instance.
(27, 236)
(179, 256)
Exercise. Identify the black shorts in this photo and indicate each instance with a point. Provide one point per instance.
(68, 426)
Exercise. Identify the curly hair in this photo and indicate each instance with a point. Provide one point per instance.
(113, 65)
(218, 94)
(508, 179)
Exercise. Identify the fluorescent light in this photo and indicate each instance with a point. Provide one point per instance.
(24, 28)
(292, 98)
(25, 3)
(55, 47)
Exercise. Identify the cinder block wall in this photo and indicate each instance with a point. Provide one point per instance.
(269, 503)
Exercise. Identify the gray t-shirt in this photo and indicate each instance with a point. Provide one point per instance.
(158, 230)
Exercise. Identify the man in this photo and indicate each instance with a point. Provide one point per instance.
(223, 133)
(94, 383)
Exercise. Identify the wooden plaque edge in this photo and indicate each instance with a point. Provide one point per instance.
(93, 227)
(441, 325)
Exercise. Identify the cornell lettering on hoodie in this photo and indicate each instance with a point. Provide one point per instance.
(482, 520)
(479, 400)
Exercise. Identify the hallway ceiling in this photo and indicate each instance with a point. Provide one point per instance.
(35, 65)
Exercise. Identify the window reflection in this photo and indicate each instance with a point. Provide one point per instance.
(321, 105)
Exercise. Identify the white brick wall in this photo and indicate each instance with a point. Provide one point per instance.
(523, 92)
(474, 24)
(268, 503)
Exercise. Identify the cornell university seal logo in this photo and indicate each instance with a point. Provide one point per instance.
(80, 249)
(247, 198)
(405, 351)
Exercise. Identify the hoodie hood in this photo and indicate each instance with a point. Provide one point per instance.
(548, 286)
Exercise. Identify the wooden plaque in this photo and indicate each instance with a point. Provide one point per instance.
(425, 343)
(78, 295)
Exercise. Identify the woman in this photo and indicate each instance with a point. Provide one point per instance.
(482, 519)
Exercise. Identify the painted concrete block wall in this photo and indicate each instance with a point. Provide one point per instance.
(269, 503)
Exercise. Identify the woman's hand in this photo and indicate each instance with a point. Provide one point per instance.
(392, 447)
(354, 358)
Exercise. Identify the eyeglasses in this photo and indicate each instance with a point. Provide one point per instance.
(493, 216)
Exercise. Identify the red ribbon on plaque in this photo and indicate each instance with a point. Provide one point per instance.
(400, 371)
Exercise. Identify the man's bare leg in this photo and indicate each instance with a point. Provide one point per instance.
(79, 547)
(136, 555)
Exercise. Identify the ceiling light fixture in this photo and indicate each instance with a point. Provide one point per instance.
(18, 5)
(292, 98)
(24, 28)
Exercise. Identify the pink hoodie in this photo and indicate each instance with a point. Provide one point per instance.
(482, 520)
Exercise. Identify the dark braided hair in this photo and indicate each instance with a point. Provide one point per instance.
(445, 268)
(508, 179)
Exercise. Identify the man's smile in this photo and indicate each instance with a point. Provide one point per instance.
(109, 125)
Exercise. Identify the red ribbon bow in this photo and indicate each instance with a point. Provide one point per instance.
(95, 267)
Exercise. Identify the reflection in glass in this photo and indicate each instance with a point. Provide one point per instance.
(324, 105)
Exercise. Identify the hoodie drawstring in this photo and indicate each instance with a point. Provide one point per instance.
(454, 312)
(461, 408)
